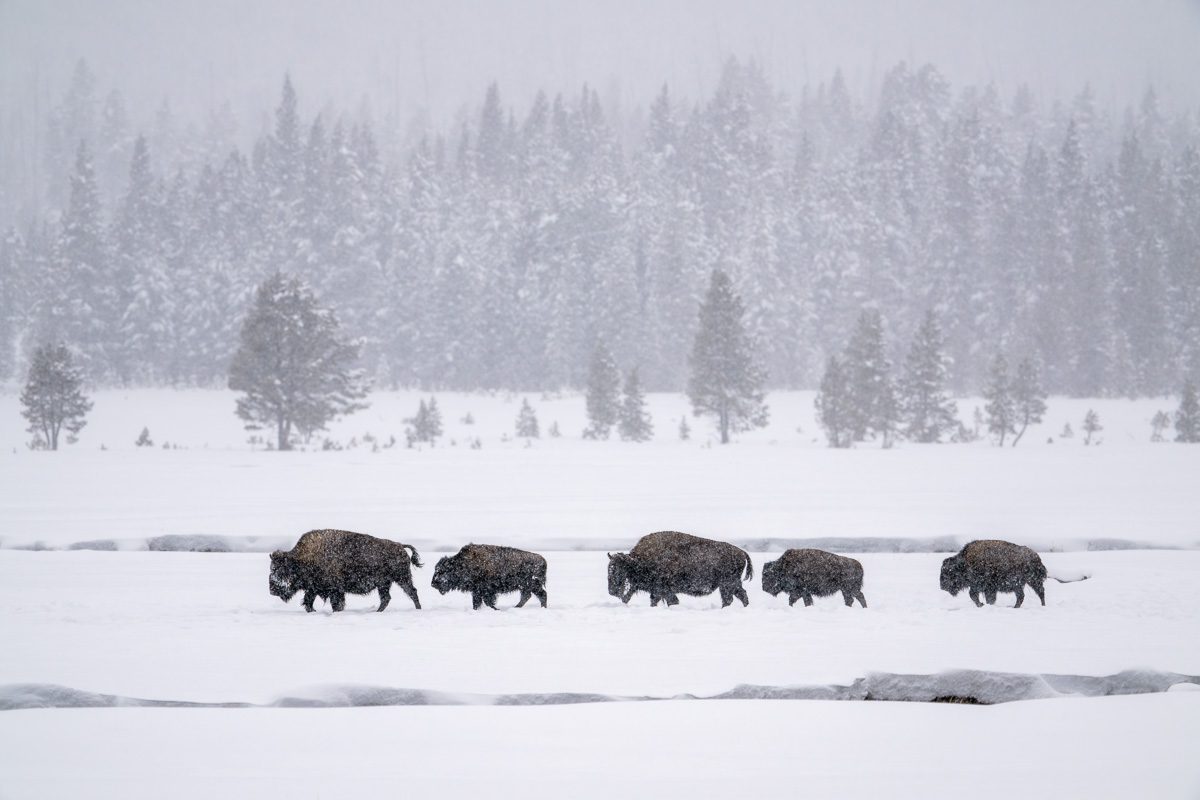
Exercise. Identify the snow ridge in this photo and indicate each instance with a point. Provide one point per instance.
(976, 687)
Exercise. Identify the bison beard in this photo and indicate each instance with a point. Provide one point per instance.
(805, 573)
(331, 564)
(487, 571)
(668, 563)
(990, 566)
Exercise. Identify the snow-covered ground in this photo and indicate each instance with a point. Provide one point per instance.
(202, 627)
(778, 483)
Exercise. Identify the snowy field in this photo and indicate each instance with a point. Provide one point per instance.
(94, 628)
(778, 483)
(202, 628)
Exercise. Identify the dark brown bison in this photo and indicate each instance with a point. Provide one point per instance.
(488, 570)
(668, 563)
(805, 573)
(991, 566)
(328, 564)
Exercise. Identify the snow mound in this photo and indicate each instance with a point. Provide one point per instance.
(973, 687)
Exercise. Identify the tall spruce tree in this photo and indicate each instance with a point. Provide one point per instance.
(1000, 409)
(833, 404)
(1187, 417)
(634, 424)
(726, 380)
(1029, 399)
(873, 406)
(89, 317)
(926, 410)
(603, 393)
(294, 367)
(53, 398)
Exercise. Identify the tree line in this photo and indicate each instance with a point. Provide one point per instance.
(497, 255)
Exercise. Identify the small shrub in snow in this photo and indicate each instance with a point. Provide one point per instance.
(467, 419)
(554, 430)
(1067, 433)
(144, 439)
(685, 432)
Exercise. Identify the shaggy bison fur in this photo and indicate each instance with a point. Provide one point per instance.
(329, 564)
(488, 570)
(991, 566)
(668, 563)
(805, 573)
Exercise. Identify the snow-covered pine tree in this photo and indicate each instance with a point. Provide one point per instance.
(416, 427)
(1159, 425)
(603, 393)
(1187, 417)
(1091, 426)
(87, 306)
(1029, 398)
(634, 423)
(527, 422)
(926, 410)
(53, 396)
(834, 404)
(1000, 408)
(726, 380)
(433, 420)
(685, 431)
(873, 407)
(293, 365)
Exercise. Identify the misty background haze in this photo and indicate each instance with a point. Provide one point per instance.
(483, 192)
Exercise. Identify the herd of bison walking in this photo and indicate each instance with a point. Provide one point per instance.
(329, 564)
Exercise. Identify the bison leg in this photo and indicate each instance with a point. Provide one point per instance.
(476, 600)
(792, 598)
(726, 597)
(1020, 592)
(409, 590)
(990, 596)
(849, 598)
(807, 599)
(490, 601)
(740, 594)
(541, 595)
(1040, 589)
(525, 595)
(672, 600)
(385, 597)
(338, 600)
(309, 598)
(974, 593)
(861, 599)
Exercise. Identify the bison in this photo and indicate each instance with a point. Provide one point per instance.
(329, 563)
(668, 563)
(805, 573)
(488, 570)
(992, 565)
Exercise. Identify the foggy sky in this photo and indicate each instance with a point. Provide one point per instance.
(439, 56)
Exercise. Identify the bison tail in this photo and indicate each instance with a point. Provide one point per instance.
(749, 566)
(416, 557)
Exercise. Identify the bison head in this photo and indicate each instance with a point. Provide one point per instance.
(282, 581)
(445, 574)
(954, 575)
(770, 578)
(620, 568)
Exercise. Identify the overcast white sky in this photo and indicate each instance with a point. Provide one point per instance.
(441, 54)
